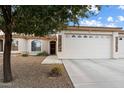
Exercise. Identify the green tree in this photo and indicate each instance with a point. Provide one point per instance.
(37, 20)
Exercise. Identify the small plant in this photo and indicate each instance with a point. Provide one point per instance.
(44, 53)
(56, 71)
(25, 55)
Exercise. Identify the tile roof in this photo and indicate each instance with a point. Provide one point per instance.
(89, 28)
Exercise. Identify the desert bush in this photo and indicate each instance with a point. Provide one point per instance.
(25, 55)
(56, 71)
(44, 53)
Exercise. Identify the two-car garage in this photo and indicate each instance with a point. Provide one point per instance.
(91, 43)
(86, 46)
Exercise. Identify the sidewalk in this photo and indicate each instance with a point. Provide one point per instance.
(52, 60)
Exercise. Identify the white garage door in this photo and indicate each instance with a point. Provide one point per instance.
(87, 46)
(121, 47)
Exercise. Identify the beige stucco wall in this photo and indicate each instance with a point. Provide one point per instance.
(24, 46)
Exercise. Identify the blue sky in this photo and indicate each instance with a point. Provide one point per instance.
(108, 16)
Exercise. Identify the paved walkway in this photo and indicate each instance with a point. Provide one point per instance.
(106, 73)
(52, 60)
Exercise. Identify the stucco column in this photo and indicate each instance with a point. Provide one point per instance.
(22, 45)
(59, 54)
(115, 53)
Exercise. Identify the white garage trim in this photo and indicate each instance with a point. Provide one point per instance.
(76, 45)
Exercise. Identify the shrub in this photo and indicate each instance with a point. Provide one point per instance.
(44, 53)
(56, 71)
(25, 55)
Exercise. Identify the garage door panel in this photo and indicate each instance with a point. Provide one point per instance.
(87, 47)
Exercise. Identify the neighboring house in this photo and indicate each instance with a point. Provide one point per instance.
(73, 43)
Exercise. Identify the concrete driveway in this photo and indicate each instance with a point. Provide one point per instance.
(103, 73)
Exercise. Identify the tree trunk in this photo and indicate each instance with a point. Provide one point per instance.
(7, 58)
(7, 15)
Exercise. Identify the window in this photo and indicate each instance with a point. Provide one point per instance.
(85, 36)
(59, 43)
(14, 45)
(36, 45)
(116, 44)
(120, 38)
(73, 36)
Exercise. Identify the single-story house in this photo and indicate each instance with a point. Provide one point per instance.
(79, 42)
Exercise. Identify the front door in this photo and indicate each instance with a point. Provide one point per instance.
(53, 47)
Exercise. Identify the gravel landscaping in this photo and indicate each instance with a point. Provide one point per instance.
(28, 72)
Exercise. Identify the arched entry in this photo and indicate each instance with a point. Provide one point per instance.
(1, 45)
(52, 47)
